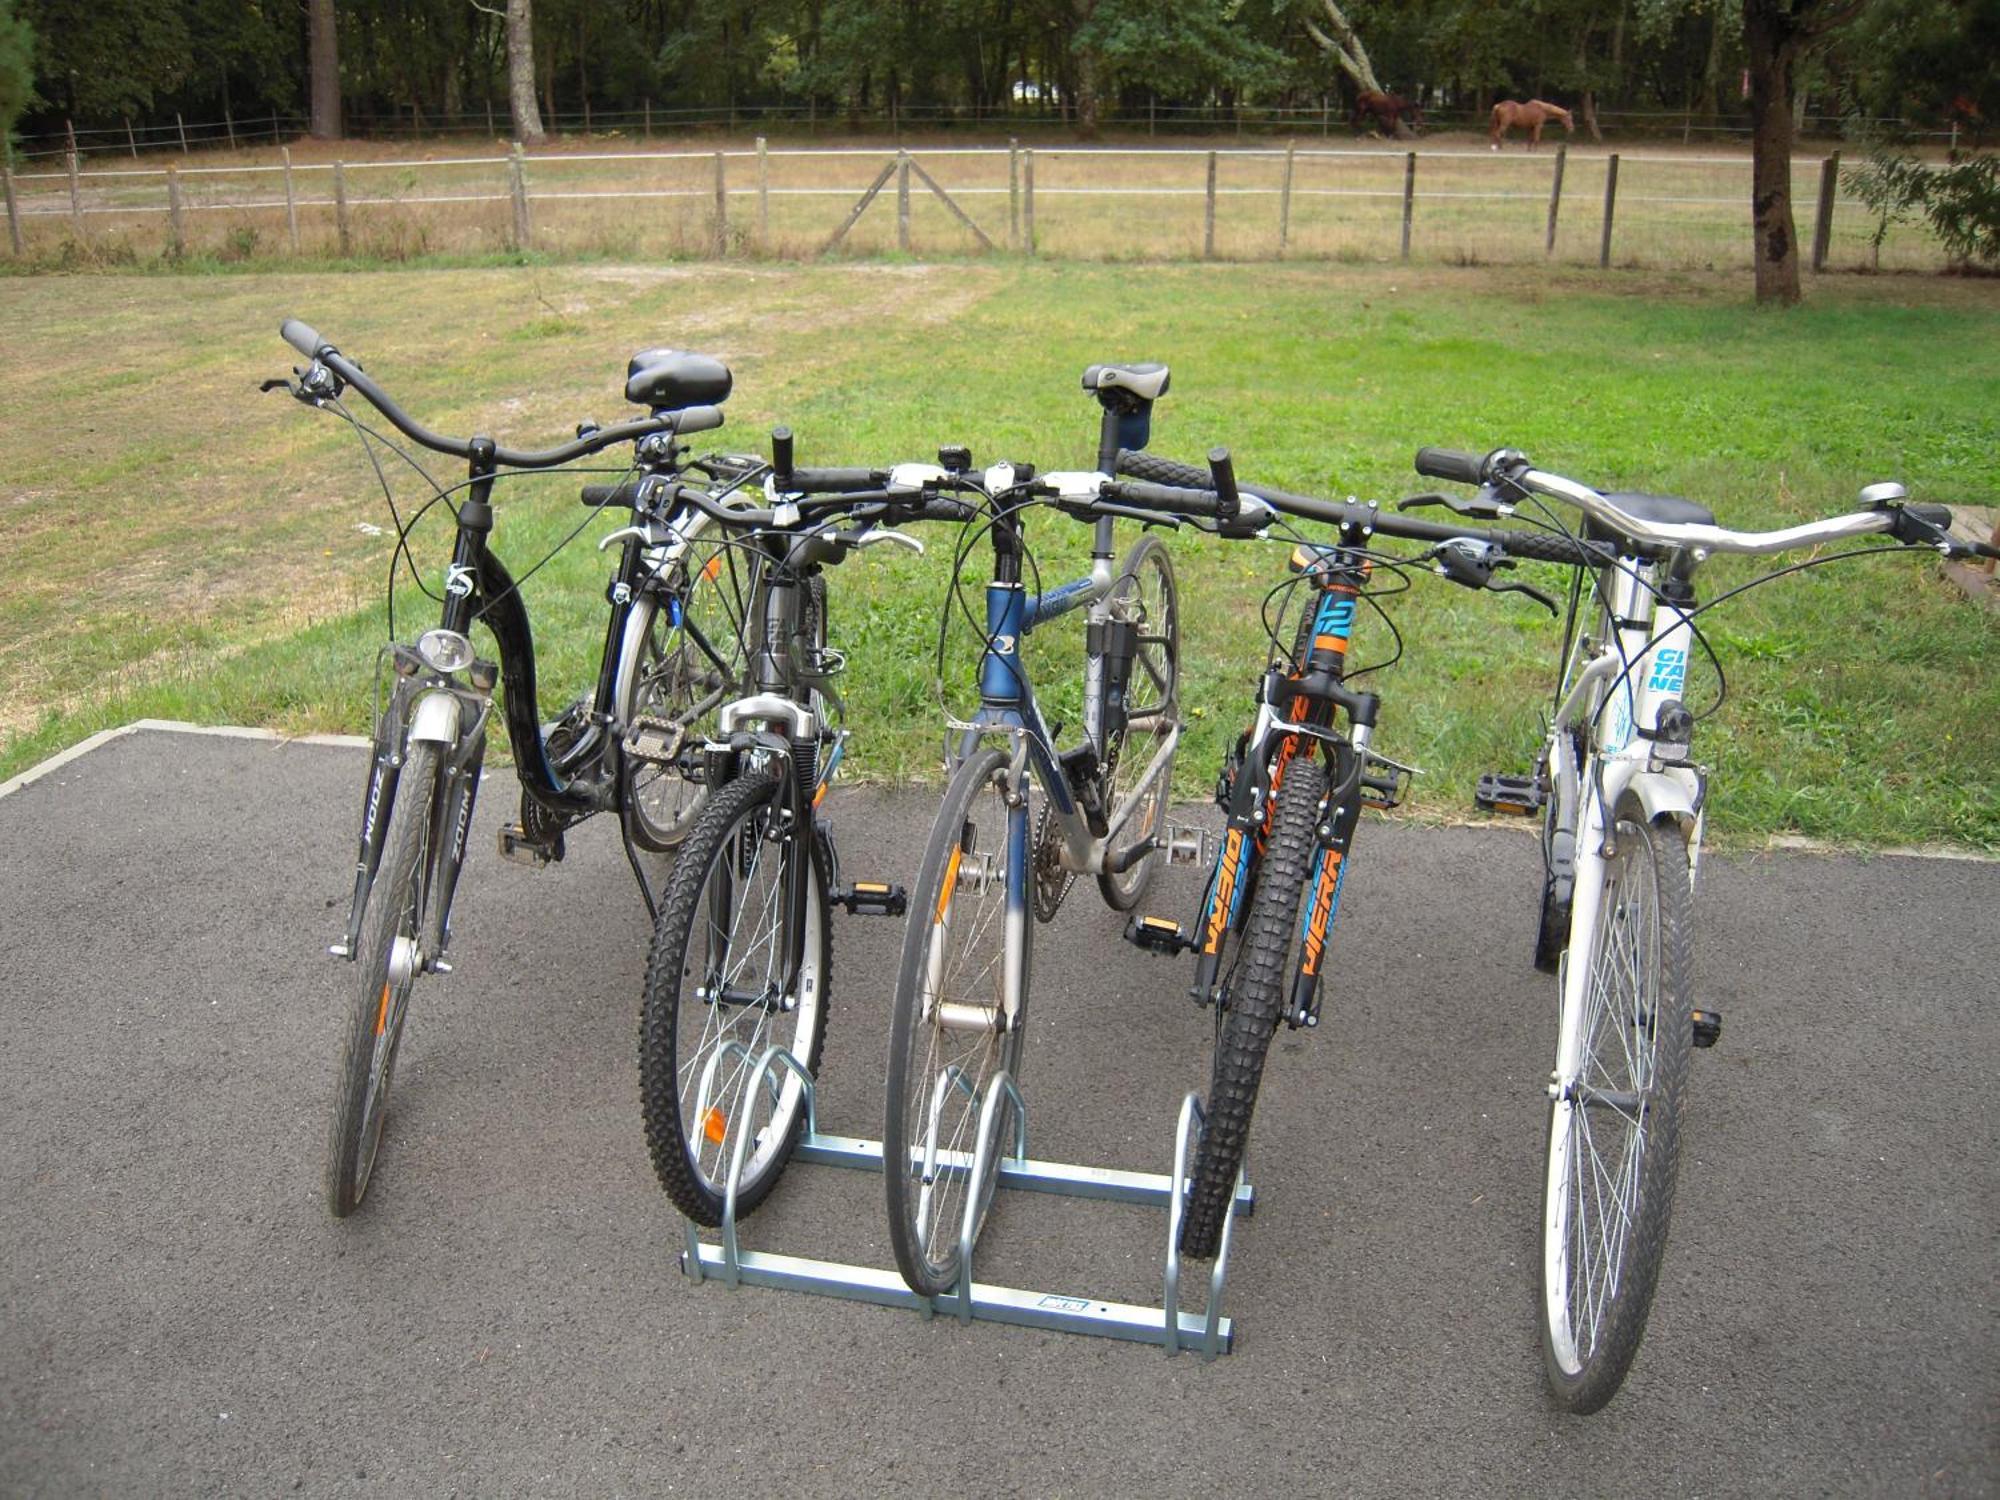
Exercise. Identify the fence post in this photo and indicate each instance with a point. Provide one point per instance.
(181, 126)
(75, 197)
(1208, 214)
(1556, 198)
(1028, 200)
(131, 141)
(176, 226)
(1285, 202)
(903, 201)
(649, 117)
(1152, 110)
(517, 182)
(340, 207)
(721, 209)
(291, 202)
(13, 208)
(1610, 202)
(1829, 183)
(229, 126)
(763, 195)
(1013, 193)
(1409, 197)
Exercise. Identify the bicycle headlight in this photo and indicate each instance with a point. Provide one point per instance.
(444, 650)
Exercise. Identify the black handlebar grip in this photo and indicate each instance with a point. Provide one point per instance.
(939, 508)
(302, 337)
(1547, 546)
(598, 496)
(1222, 476)
(1157, 470)
(1174, 499)
(1451, 463)
(834, 481)
(781, 456)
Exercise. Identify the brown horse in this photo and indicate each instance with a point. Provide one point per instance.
(1389, 110)
(1534, 115)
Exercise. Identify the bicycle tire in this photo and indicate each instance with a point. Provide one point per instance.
(666, 676)
(381, 1003)
(687, 1135)
(1254, 999)
(1146, 582)
(1594, 1317)
(977, 902)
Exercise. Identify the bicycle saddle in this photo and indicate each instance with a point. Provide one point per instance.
(672, 380)
(1147, 381)
(1664, 510)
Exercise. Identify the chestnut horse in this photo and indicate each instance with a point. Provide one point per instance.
(1534, 115)
(1386, 109)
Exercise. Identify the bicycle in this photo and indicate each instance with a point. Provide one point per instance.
(958, 1022)
(430, 729)
(742, 949)
(1623, 805)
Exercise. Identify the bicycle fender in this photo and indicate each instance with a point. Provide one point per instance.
(435, 719)
(1663, 794)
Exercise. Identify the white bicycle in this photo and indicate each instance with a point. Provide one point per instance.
(1623, 803)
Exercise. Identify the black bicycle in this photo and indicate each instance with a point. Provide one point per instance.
(672, 653)
(742, 949)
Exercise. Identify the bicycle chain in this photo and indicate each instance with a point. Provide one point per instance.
(1052, 881)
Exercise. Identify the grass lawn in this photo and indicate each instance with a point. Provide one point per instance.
(178, 545)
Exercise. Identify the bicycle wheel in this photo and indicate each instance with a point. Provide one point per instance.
(1144, 594)
(949, 1033)
(1614, 1125)
(717, 996)
(386, 961)
(1252, 1000)
(669, 677)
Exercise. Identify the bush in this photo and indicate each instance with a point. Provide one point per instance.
(1960, 200)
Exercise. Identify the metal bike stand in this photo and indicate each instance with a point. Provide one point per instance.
(1209, 1332)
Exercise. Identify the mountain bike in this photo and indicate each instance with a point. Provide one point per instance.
(742, 949)
(431, 723)
(1623, 803)
(1019, 821)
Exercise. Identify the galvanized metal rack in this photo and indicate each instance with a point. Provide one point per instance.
(1210, 1332)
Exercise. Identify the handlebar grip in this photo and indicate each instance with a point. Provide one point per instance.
(1451, 463)
(1157, 470)
(1547, 546)
(302, 337)
(1174, 499)
(1222, 474)
(598, 496)
(697, 419)
(940, 508)
(835, 481)
(781, 456)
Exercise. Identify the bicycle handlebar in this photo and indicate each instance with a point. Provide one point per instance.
(897, 504)
(307, 340)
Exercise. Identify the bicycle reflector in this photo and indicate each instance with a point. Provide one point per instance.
(444, 650)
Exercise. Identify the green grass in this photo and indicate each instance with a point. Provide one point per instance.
(178, 546)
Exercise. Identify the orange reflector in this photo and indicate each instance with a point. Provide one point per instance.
(820, 795)
(712, 567)
(714, 1126)
(950, 883)
(382, 1015)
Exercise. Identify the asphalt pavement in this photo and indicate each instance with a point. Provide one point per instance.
(505, 1315)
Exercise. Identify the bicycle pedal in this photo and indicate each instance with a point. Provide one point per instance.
(518, 848)
(1515, 796)
(1157, 935)
(1707, 1027)
(873, 898)
(1384, 791)
(654, 741)
(1187, 846)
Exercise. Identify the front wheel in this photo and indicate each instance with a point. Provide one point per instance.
(387, 961)
(1614, 1123)
(722, 987)
(1144, 595)
(961, 1006)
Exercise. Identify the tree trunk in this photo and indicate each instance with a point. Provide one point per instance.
(521, 72)
(1773, 45)
(325, 68)
(1086, 93)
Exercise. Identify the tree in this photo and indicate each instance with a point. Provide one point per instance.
(324, 46)
(1345, 48)
(1775, 34)
(521, 72)
(17, 70)
(107, 60)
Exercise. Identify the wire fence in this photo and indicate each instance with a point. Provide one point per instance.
(1660, 209)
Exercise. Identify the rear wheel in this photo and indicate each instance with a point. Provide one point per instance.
(1614, 1125)
(1252, 999)
(719, 994)
(1144, 594)
(950, 1033)
(387, 962)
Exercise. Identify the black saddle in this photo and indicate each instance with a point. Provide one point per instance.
(672, 380)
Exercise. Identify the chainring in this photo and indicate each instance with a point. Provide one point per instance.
(1052, 881)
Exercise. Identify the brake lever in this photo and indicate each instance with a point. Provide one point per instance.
(279, 384)
(1530, 590)
(860, 539)
(1484, 506)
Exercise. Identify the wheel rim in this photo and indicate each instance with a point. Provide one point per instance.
(735, 1003)
(1598, 1127)
(392, 1007)
(964, 965)
(676, 681)
(1153, 703)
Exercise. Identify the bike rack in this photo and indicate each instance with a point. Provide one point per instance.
(1209, 1332)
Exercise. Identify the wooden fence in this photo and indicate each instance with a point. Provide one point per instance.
(1106, 203)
